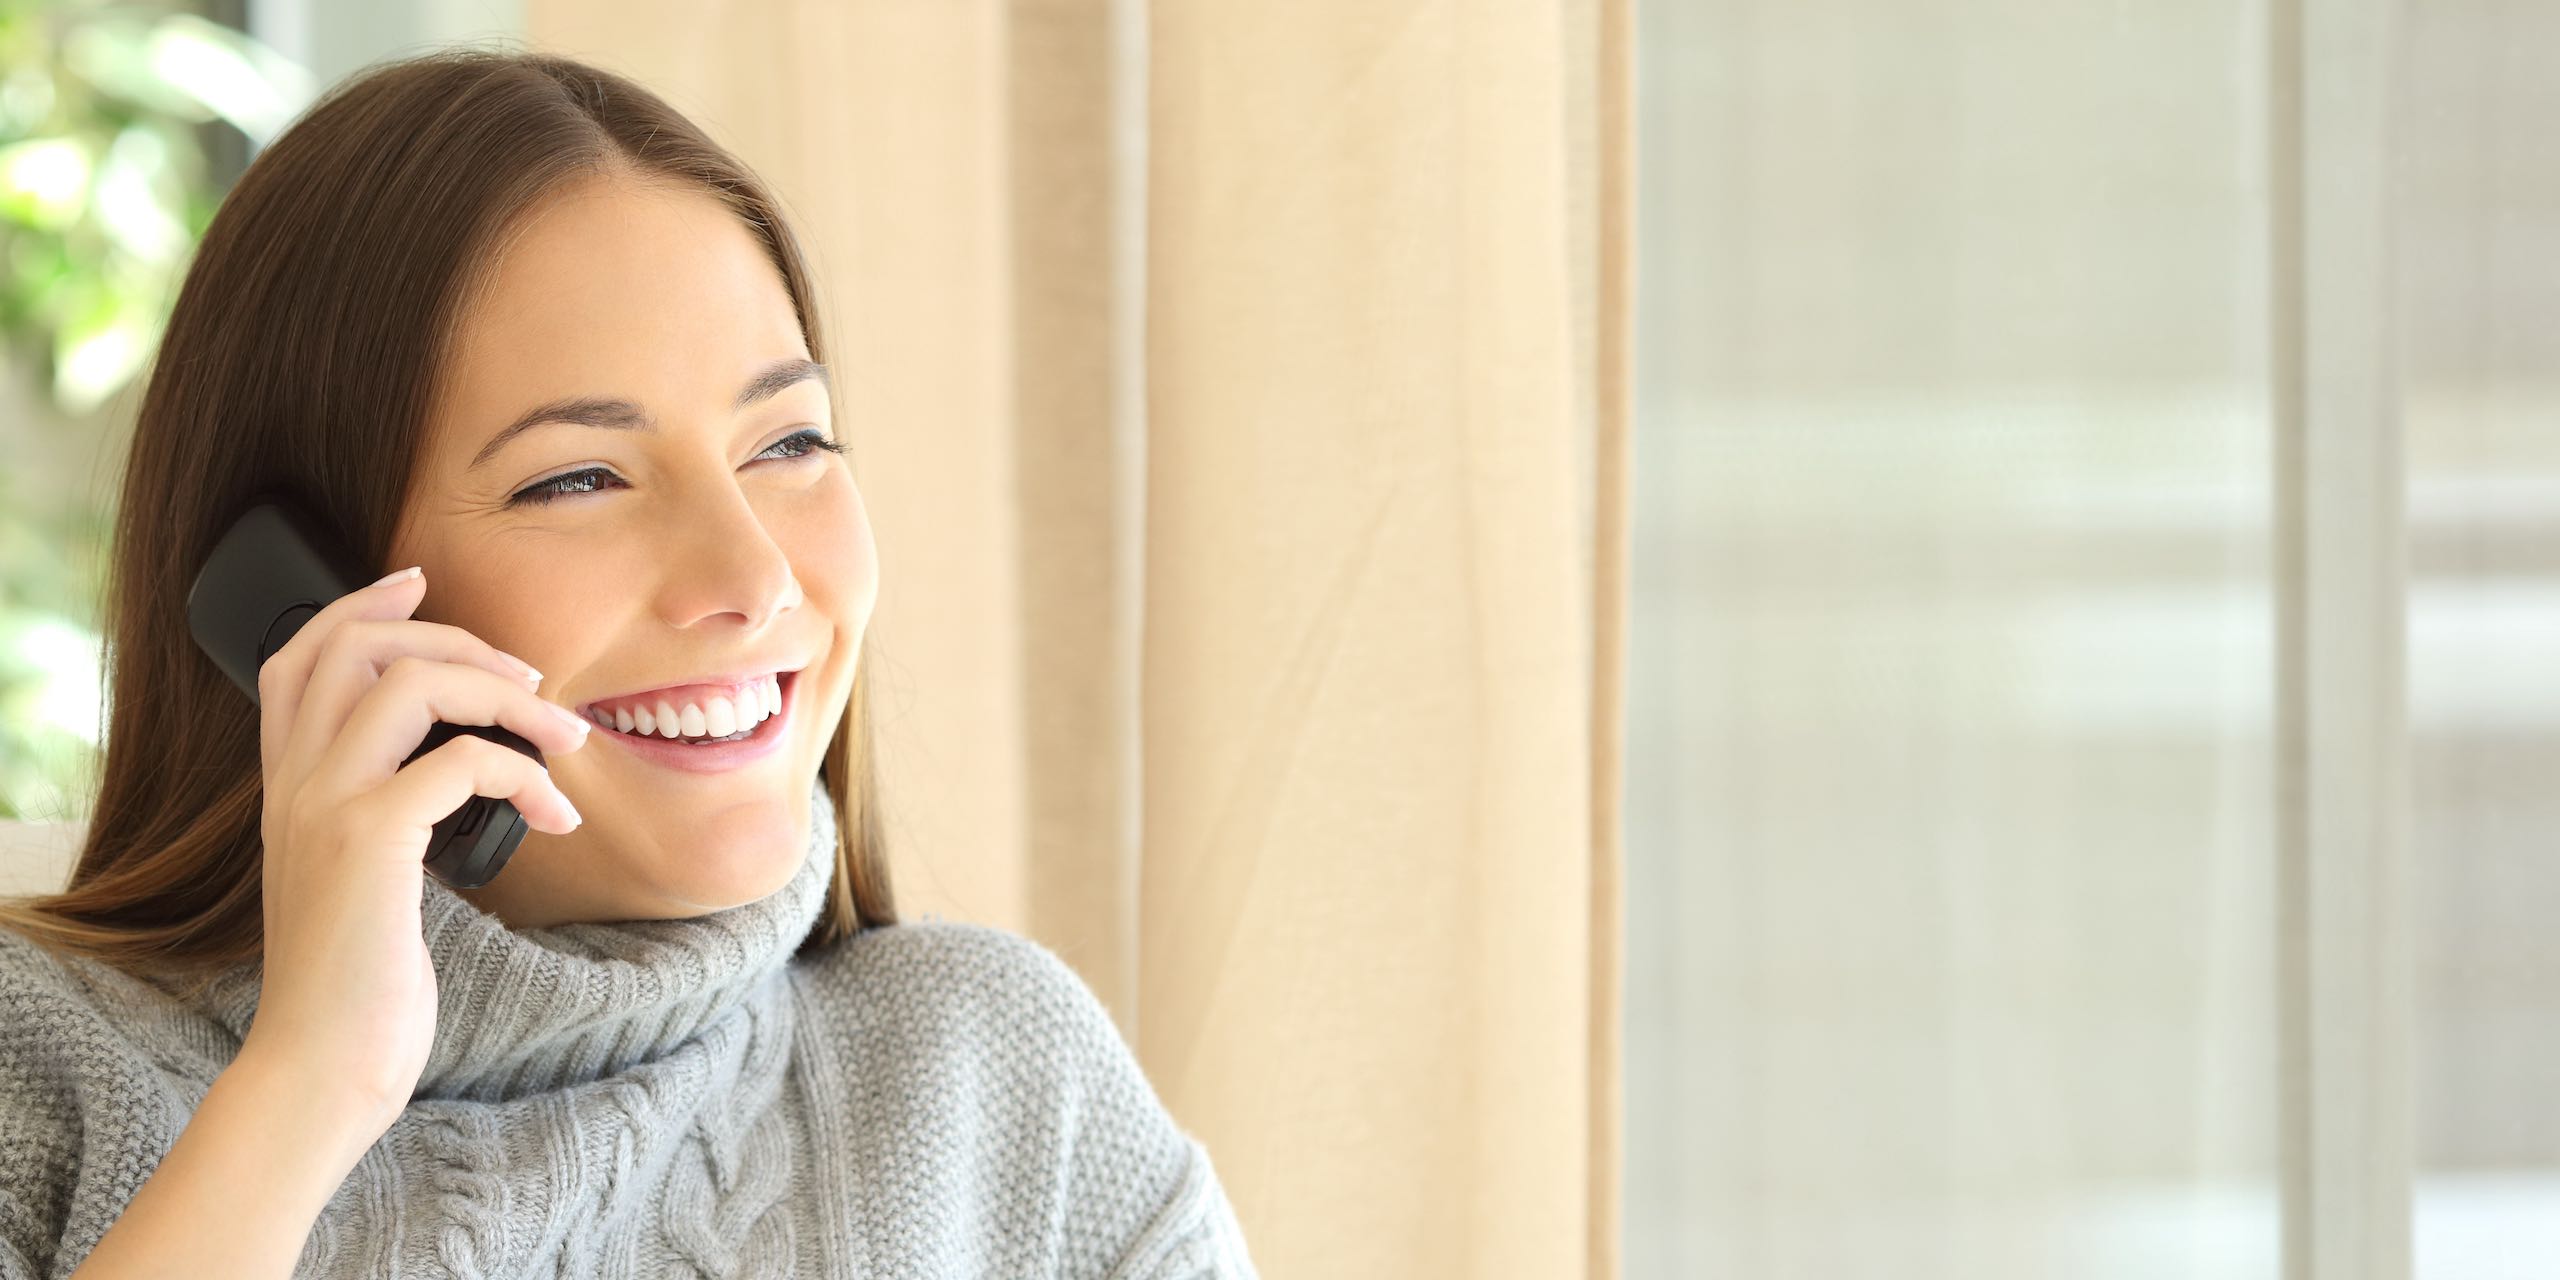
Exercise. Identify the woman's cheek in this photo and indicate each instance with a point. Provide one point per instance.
(833, 554)
(545, 609)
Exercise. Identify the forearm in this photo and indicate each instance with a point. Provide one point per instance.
(237, 1193)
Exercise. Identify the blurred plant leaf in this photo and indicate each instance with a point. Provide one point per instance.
(141, 194)
(44, 182)
(98, 352)
(106, 185)
(239, 79)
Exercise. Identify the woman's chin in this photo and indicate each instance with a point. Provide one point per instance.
(726, 864)
(672, 866)
(669, 867)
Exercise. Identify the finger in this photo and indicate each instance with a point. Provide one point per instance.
(282, 676)
(443, 780)
(356, 655)
(396, 711)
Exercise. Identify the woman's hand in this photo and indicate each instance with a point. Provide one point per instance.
(349, 1002)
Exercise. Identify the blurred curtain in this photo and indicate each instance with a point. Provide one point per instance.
(1239, 393)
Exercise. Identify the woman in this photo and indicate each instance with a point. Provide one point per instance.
(515, 322)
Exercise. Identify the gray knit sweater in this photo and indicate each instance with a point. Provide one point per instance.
(660, 1098)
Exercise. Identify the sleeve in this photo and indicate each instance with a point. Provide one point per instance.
(23, 1255)
(1194, 1235)
(38, 1128)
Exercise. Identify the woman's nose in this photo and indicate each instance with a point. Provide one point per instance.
(721, 558)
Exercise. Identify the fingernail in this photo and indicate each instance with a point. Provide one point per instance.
(572, 717)
(410, 572)
(574, 818)
(531, 676)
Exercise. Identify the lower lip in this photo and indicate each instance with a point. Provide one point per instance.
(718, 757)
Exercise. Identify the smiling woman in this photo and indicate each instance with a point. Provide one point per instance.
(658, 520)
(513, 321)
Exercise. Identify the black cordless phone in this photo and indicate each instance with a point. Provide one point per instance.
(269, 574)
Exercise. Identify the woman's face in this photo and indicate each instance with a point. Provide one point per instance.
(699, 537)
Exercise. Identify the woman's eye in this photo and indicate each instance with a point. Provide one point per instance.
(799, 444)
(807, 440)
(588, 480)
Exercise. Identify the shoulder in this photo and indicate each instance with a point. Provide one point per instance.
(48, 1006)
(943, 970)
(80, 1037)
(99, 1073)
(75, 1011)
(948, 997)
(44, 1021)
(59, 1057)
(968, 1016)
(79, 1033)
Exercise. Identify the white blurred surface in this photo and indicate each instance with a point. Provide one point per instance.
(36, 857)
(2480, 272)
(1954, 917)
(1950, 889)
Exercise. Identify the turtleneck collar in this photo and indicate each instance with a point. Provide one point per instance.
(520, 1012)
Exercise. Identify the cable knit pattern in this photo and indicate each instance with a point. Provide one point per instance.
(658, 1098)
(468, 1189)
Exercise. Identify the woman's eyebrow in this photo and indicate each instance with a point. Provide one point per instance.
(624, 415)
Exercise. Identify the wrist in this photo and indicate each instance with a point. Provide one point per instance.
(312, 1105)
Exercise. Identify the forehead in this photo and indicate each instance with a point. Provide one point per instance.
(613, 287)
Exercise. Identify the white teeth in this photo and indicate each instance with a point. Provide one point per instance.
(717, 717)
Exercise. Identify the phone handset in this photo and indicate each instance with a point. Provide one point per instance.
(272, 571)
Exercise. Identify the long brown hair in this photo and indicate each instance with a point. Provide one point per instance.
(300, 357)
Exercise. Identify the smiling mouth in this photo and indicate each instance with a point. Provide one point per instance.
(698, 716)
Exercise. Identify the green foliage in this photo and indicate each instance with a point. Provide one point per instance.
(107, 180)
